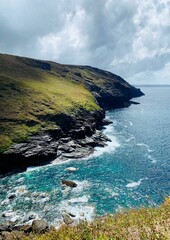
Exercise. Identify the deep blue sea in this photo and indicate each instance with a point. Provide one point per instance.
(132, 171)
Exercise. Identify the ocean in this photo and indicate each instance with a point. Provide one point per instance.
(132, 171)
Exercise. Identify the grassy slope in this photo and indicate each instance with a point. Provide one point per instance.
(151, 223)
(31, 96)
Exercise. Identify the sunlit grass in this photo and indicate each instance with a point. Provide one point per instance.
(137, 224)
(30, 98)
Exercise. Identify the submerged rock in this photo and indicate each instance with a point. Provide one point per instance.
(69, 183)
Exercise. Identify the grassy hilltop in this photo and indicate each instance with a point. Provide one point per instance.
(33, 93)
(30, 95)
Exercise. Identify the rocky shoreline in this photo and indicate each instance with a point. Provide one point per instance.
(75, 138)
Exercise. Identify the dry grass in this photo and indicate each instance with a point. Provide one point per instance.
(137, 224)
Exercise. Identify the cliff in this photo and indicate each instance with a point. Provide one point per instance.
(52, 111)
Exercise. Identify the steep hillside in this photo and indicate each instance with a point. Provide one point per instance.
(38, 96)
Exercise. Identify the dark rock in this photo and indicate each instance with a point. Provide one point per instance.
(12, 196)
(65, 140)
(65, 148)
(78, 133)
(69, 183)
(78, 74)
(40, 226)
(106, 122)
(132, 102)
(87, 141)
(8, 226)
(56, 133)
(89, 130)
(40, 64)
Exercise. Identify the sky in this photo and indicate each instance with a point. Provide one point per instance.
(130, 38)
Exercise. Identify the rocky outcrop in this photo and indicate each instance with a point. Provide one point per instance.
(67, 218)
(40, 226)
(74, 138)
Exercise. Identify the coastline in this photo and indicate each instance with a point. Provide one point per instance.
(76, 142)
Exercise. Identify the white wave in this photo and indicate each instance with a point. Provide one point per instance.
(153, 160)
(19, 180)
(81, 210)
(119, 209)
(111, 146)
(135, 184)
(21, 190)
(145, 145)
(111, 192)
(83, 199)
(15, 216)
(30, 169)
(40, 197)
(81, 186)
(130, 138)
(130, 123)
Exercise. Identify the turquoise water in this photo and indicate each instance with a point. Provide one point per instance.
(133, 170)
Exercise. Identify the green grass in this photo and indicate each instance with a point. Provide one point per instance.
(136, 224)
(30, 97)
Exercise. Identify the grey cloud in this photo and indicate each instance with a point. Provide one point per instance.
(129, 38)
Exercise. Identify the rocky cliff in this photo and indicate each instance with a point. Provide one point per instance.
(51, 111)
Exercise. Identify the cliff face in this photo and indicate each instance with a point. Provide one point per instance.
(49, 110)
(110, 90)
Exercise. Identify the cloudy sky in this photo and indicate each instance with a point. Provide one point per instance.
(131, 38)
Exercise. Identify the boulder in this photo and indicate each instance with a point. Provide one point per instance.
(69, 183)
(67, 218)
(40, 226)
(7, 236)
